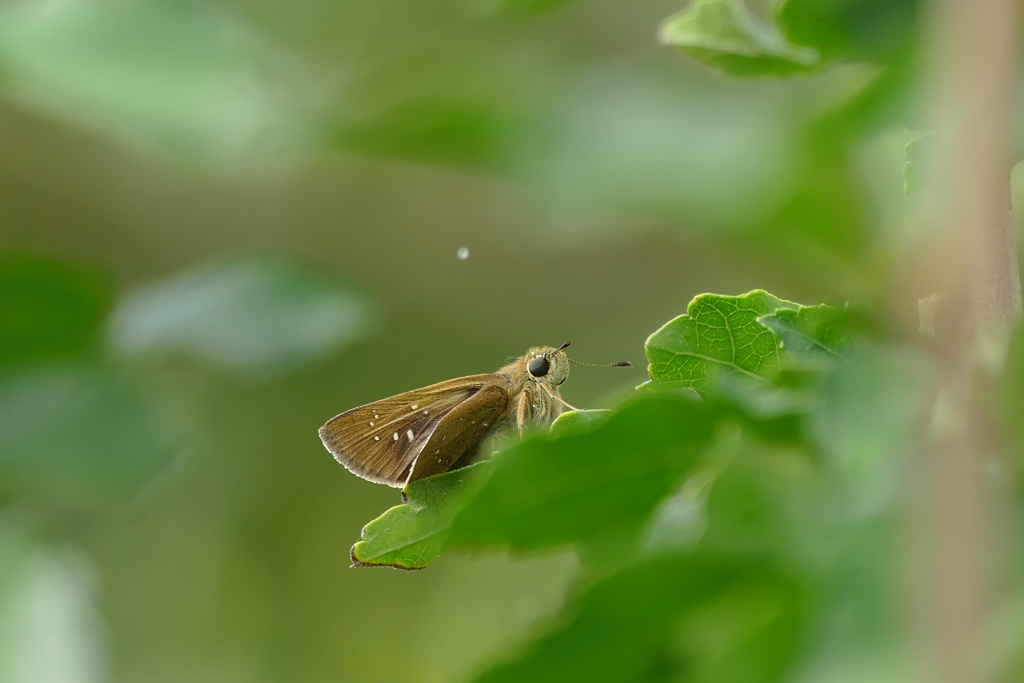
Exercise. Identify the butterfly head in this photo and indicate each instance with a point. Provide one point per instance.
(547, 365)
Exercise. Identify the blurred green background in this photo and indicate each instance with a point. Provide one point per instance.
(222, 223)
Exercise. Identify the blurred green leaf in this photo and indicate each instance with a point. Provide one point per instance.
(871, 30)
(788, 506)
(577, 421)
(254, 315)
(769, 502)
(593, 645)
(631, 627)
(434, 130)
(1010, 402)
(410, 536)
(553, 489)
(753, 633)
(528, 7)
(50, 627)
(927, 307)
(869, 418)
(78, 434)
(719, 335)
(183, 79)
(675, 146)
(826, 219)
(919, 166)
(812, 332)
(49, 308)
(723, 35)
(679, 521)
(1005, 647)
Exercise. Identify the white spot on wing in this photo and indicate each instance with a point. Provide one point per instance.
(413, 406)
(395, 436)
(371, 423)
(376, 438)
(409, 435)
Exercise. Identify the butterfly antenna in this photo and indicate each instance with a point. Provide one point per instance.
(620, 364)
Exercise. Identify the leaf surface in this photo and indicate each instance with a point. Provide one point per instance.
(723, 35)
(411, 535)
(580, 483)
(718, 335)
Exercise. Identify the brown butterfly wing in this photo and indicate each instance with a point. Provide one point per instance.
(380, 441)
(456, 438)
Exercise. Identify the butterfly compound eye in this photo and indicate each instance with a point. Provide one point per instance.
(539, 366)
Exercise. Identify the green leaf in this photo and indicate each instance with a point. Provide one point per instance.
(868, 420)
(433, 129)
(49, 308)
(919, 165)
(256, 316)
(861, 30)
(752, 633)
(527, 7)
(767, 503)
(49, 614)
(810, 332)
(677, 146)
(577, 421)
(719, 335)
(410, 536)
(644, 624)
(723, 35)
(77, 434)
(564, 487)
(594, 645)
(1011, 408)
(185, 80)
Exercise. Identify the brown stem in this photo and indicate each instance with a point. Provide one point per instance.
(995, 278)
(973, 61)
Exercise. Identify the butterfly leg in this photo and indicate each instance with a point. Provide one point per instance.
(522, 412)
(558, 398)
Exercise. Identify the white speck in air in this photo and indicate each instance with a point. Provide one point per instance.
(371, 424)
(413, 407)
(485, 424)
(409, 434)
(463, 253)
(376, 438)
(395, 436)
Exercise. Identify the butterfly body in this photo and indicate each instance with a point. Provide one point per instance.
(441, 427)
